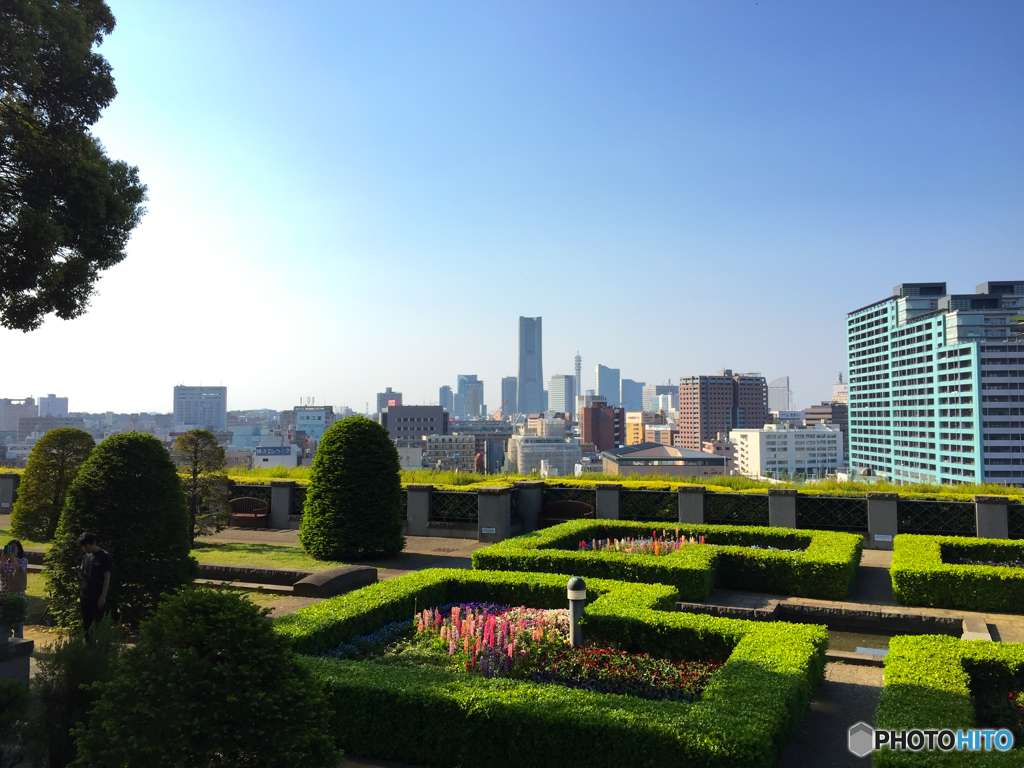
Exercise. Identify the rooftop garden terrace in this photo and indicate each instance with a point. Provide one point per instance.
(817, 564)
(424, 712)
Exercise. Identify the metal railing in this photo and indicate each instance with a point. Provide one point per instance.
(1015, 520)
(261, 492)
(648, 505)
(298, 499)
(735, 509)
(832, 513)
(453, 507)
(936, 518)
(554, 493)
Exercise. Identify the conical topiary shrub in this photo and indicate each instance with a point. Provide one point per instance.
(128, 494)
(354, 502)
(52, 466)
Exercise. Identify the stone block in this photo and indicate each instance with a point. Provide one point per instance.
(335, 581)
(691, 504)
(418, 509)
(493, 516)
(608, 501)
(990, 517)
(882, 520)
(14, 659)
(782, 507)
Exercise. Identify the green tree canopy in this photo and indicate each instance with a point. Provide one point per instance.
(128, 493)
(209, 683)
(201, 464)
(354, 500)
(66, 209)
(53, 464)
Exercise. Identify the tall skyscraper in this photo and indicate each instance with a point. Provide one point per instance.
(387, 398)
(606, 382)
(779, 397)
(200, 408)
(444, 398)
(562, 393)
(578, 361)
(51, 405)
(631, 394)
(712, 404)
(509, 396)
(531, 370)
(473, 390)
(934, 379)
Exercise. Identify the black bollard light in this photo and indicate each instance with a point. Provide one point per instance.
(577, 590)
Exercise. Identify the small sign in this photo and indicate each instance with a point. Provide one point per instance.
(5, 504)
(882, 537)
(486, 530)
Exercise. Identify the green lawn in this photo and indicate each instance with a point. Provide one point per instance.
(5, 536)
(259, 555)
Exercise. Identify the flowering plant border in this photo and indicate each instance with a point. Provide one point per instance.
(824, 568)
(427, 716)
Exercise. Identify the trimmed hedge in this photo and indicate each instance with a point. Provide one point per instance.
(423, 716)
(929, 681)
(825, 569)
(921, 577)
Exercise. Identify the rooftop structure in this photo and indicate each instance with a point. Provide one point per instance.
(655, 459)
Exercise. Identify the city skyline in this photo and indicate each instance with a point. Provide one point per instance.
(440, 150)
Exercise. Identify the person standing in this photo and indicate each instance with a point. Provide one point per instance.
(14, 574)
(94, 573)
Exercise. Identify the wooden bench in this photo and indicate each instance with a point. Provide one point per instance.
(556, 512)
(249, 508)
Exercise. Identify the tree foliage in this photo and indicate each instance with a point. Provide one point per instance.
(201, 464)
(354, 501)
(52, 466)
(209, 683)
(66, 209)
(128, 493)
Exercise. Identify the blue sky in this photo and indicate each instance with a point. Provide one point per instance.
(348, 196)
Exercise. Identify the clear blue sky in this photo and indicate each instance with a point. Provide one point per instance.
(346, 196)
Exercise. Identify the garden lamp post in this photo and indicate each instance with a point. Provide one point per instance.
(577, 590)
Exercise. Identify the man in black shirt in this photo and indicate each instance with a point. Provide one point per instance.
(94, 573)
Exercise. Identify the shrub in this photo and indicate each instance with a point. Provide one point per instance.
(354, 501)
(744, 716)
(52, 466)
(128, 494)
(209, 683)
(824, 569)
(13, 609)
(13, 725)
(920, 577)
(63, 688)
(202, 465)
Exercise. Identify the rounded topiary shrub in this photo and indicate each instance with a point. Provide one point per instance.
(52, 465)
(209, 683)
(128, 494)
(354, 501)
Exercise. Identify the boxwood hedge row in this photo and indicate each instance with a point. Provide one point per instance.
(744, 717)
(934, 682)
(824, 568)
(921, 575)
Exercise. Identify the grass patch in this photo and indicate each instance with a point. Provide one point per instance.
(259, 555)
(6, 535)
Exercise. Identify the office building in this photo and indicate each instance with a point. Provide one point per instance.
(449, 452)
(472, 389)
(526, 452)
(722, 446)
(12, 410)
(779, 451)
(668, 404)
(662, 434)
(490, 435)
(935, 384)
(840, 392)
(651, 391)
(831, 412)
(509, 396)
(562, 393)
(654, 459)
(200, 408)
(603, 426)
(712, 404)
(779, 396)
(388, 398)
(409, 424)
(445, 398)
(636, 421)
(314, 420)
(40, 425)
(631, 394)
(606, 381)
(51, 405)
(531, 369)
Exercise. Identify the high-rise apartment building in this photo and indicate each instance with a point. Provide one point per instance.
(509, 395)
(562, 393)
(779, 395)
(388, 398)
(473, 390)
(606, 382)
(653, 390)
(935, 384)
(445, 398)
(200, 408)
(712, 404)
(531, 369)
(51, 405)
(603, 426)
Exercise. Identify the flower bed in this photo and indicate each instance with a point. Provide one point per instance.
(939, 682)
(422, 714)
(819, 564)
(666, 544)
(925, 572)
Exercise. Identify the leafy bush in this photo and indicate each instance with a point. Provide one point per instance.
(209, 683)
(921, 577)
(63, 688)
(52, 466)
(744, 716)
(929, 682)
(14, 702)
(825, 569)
(13, 609)
(128, 494)
(201, 462)
(354, 501)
